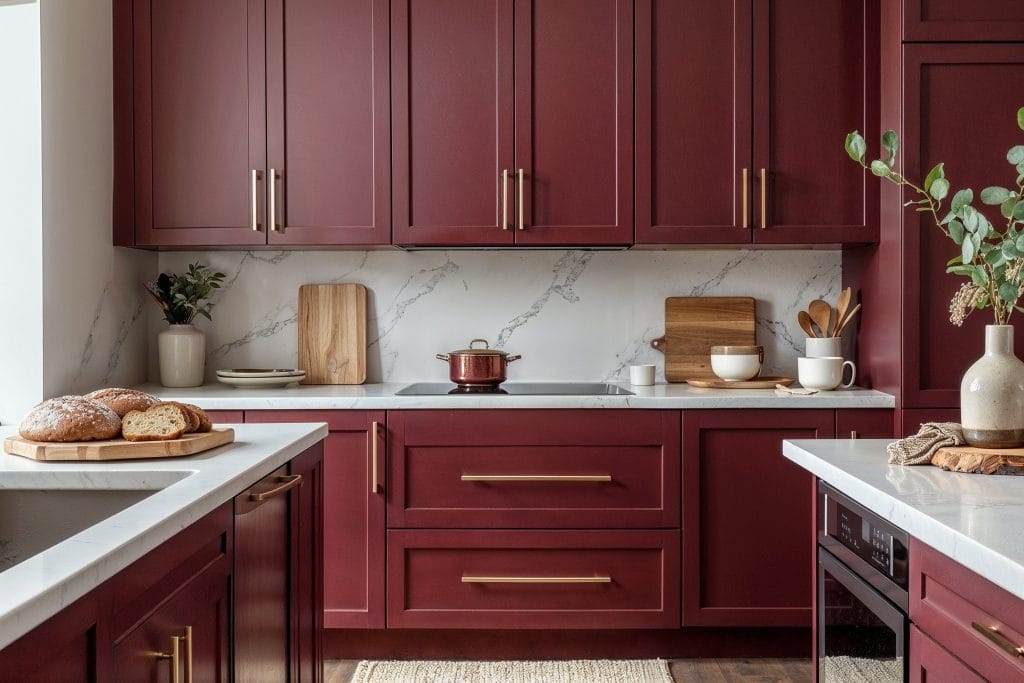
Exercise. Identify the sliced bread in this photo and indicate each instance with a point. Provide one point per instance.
(162, 422)
(205, 423)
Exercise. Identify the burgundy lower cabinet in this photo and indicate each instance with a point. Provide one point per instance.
(956, 21)
(865, 423)
(910, 421)
(353, 512)
(226, 416)
(306, 568)
(746, 561)
(932, 663)
(952, 605)
(533, 579)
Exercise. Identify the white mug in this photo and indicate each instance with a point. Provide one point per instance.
(824, 374)
(641, 375)
(824, 347)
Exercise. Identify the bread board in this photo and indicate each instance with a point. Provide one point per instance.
(332, 333)
(118, 449)
(693, 324)
(756, 383)
(980, 460)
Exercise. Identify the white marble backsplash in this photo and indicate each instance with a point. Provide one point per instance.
(573, 315)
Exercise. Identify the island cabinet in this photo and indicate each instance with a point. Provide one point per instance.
(971, 628)
(730, 165)
(744, 563)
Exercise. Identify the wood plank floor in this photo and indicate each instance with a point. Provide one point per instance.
(688, 670)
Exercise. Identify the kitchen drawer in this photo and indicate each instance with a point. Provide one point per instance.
(947, 600)
(932, 663)
(534, 469)
(533, 579)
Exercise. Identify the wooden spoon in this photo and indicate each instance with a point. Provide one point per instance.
(842, 325)
(821, 313)
(805, 323)
(841, 305)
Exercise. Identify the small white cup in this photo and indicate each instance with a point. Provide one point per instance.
(641, 375)
(736, 363)
(824, 347)
(824, 374)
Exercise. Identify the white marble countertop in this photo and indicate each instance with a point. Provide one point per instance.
(382, 397)
(974, 519)
(191, 487)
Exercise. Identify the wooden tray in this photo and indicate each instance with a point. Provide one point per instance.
(693, 324)
(757, 383)
(118, 449)
(980, 460)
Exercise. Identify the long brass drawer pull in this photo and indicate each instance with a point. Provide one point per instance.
(764, 199)
(993, 634)
(174, 655)
(272, 181)
(584, 478)
(745, 208)
(255, 209)
(504, 199)
(188, 653)
(536, 579)
(287, 483)
(522, 222)
(374, 437)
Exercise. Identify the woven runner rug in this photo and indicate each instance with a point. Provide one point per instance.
(565, 671)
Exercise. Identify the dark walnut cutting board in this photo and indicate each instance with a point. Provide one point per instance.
(693, 324)
(332, 333)
(980, 460)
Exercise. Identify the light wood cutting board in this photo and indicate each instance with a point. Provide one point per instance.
(119, 449)
(694, 324)
(332, 333)
(980, 460)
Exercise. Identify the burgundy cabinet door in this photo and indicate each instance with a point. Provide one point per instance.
(956, 20)
(69, 646)
(353, 513)
(816, 78)
(328, 122)
(452, 134)
(200, 122)
(747, 525)
(932, 663)
(574, 121)
(935, 353)
(307, 562)
(693, 153)
(865, 423)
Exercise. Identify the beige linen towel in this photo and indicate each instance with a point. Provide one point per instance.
(919, 449)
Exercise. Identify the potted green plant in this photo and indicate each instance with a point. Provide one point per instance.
(182, 347)
(991, 257)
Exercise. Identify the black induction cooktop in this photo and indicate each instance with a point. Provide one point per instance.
(515, 389)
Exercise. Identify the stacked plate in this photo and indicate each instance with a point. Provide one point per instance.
(260, 377)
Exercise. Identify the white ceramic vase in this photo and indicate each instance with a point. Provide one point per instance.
(992, 394)
(182, 351)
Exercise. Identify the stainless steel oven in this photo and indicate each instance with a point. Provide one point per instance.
(862, 593)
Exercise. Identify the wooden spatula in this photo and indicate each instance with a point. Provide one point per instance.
(821, 313)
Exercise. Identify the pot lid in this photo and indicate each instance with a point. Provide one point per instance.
(485, 351)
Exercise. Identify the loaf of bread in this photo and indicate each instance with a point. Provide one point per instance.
(123, 401)
(190, 415)
(70, 418)
(161, 422)
(205, 423)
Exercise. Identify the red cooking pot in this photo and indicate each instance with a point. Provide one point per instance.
(477, 367)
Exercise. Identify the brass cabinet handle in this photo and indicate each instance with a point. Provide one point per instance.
(174, 655)
(536, 579)
(596, 478)
(522, 223)
(288, 482)
(255, 200)
(274, 177)
(764, 199)
(374, 429)
(993, 634)
(504, 199)
(188, 654)
(746, 209)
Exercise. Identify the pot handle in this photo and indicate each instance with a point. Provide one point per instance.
(486, 345)
(443, 356)
(509, 359)
(658, 344)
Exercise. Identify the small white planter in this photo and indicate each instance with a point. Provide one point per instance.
(182, 356)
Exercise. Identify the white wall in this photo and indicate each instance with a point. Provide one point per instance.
(21, 294)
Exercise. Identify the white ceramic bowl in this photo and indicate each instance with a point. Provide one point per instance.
(736, 363)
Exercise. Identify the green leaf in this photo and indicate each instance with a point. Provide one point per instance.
(1006, 208)
(891, 143)
(1018, 211)
(955, 260)
(978, 277)
(1009, 249)
(970, 215)
(1015, 155)
(855, 146)
(933, 175)
(994, 195)
(960, 270)
(967, 251)
(995, 258)
(961, 199)
(1020, 118)
(879, 168)
(1008, 292)
(956, 231)
(939, 189)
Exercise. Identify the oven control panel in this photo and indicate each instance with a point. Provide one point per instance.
(874, 540)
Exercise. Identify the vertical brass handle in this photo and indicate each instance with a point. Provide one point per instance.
(255, 200)
(373, 456)
(522, 224)
(274, 177)
(188, 654)
(764, 199)
(746, 209)
(504, 199)
(174, 655)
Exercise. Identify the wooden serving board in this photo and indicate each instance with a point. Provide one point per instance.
(980, 460)
(694, 324)
(118, 449)
(332, 333)
(756, 383)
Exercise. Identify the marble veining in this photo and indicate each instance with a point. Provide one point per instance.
(573, 315)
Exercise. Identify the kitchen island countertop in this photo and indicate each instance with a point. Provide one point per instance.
(186, 489)
(382, 397)
(975, 519)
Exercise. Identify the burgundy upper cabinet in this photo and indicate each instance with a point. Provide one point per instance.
(199, 122)
(956, 20)
(223, 92)
(328, 122)
(741, 112)
(693, 152)
(531, 142)
(816, 78)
